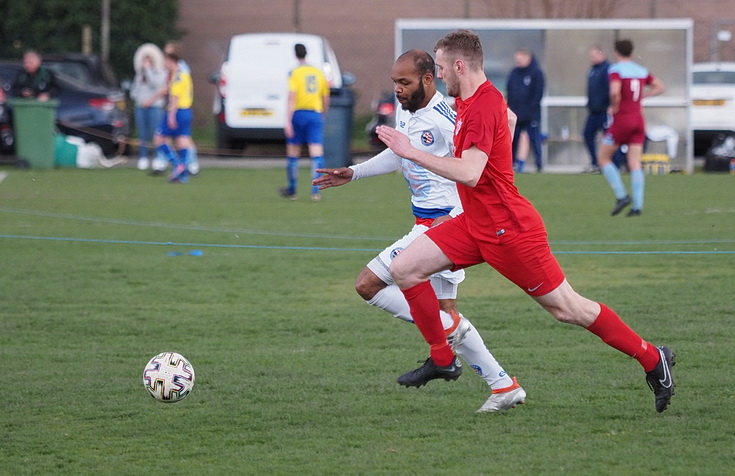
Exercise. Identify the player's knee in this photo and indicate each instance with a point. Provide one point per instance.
(402, 276)
(397, 272)
(368, 284)
(572, 314)
(364, 290)
(562, 315)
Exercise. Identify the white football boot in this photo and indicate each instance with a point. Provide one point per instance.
(504, 399)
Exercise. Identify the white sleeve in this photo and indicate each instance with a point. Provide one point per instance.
(383, 163)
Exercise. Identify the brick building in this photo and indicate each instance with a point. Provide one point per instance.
(362, 31)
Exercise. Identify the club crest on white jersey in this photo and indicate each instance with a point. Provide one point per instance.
(427, 138)
(395, 252)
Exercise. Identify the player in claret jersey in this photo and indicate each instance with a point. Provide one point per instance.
(498, 226)
(629, 84)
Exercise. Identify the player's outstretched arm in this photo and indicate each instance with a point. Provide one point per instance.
(466, 170)
(333, 177)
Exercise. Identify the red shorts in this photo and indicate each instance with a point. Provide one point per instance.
(626, 129)
(525, 259)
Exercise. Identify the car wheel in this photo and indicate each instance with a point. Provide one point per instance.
(223, 141)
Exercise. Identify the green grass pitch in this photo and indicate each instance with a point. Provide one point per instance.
(296, 375)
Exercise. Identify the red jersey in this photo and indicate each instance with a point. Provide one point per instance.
(633, 78)
(494, 208)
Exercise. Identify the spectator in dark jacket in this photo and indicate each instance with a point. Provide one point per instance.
(34, 81)
(598, 100)
(524, 92)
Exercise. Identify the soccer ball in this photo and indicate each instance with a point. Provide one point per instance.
(168, 377)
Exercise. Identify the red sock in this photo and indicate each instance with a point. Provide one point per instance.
(614, 332)
(425, 312)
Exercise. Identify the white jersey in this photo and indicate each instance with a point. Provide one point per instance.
(431, 129)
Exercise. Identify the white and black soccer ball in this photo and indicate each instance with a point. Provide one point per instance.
(168, 377)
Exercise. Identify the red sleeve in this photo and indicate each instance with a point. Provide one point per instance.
(481, 130)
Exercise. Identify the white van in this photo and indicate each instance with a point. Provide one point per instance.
(252, 85)
(713, 103)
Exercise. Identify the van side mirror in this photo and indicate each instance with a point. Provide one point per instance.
(348, 79)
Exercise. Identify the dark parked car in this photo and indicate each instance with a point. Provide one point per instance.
(6, 128)
(86, 69)
(384, 114)
(94, 110)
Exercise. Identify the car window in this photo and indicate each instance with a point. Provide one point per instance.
(78, 71)
(714, 77)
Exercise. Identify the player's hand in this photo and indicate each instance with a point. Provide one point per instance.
(172, 122)
(333, 177)
(396, 141)
(288, 130)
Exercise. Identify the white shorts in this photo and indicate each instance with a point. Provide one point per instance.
(445, 283)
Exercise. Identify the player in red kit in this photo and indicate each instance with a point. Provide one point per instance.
(499, 226)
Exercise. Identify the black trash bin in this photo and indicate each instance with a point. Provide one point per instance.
(338, 129)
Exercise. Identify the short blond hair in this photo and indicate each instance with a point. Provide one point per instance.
(465, 44)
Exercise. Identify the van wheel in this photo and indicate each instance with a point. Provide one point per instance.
(227, 143)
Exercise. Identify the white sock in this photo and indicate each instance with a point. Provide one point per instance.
(473, 350)
(392, 300)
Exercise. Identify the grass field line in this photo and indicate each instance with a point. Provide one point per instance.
(335, 237)
(326, 248)
(117, 221)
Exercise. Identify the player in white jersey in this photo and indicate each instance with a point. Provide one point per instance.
(429, 123)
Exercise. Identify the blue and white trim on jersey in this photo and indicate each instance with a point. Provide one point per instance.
(446, 111)
(430, 212)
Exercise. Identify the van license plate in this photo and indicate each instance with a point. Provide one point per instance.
(260, 112)
(709, 102)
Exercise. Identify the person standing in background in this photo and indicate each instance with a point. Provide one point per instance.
(176, 123)
(150, 78)
(629, 84)
(35, 81)
(598, 100)
(308, 103)
(525, 89)
(160, 163)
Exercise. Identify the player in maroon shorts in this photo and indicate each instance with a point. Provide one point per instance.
(498, 226)
(629, 84)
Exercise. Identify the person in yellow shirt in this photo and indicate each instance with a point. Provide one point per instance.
(177, 121)
(308, 103)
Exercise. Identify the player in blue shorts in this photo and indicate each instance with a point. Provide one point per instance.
(308, 102)
(177, 121)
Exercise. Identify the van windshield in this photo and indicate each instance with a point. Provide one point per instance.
(714, 77)
(259, 54)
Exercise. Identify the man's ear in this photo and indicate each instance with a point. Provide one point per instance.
(459, 66)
